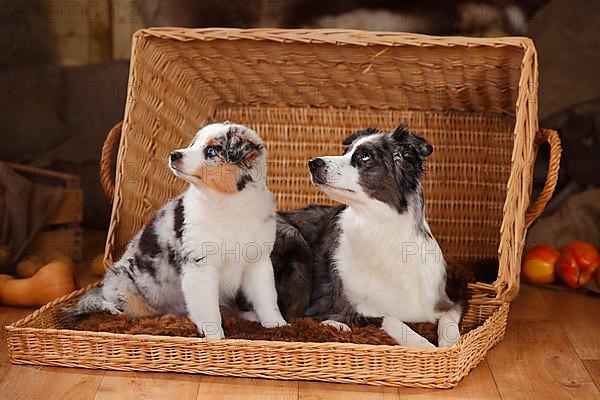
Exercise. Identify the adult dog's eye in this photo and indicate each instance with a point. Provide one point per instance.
(211, 151)
(402, 154)
(364, 157)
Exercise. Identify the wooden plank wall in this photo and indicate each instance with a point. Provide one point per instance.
(92, 31)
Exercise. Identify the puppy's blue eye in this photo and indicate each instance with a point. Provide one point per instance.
(211, 152)
(365, 157)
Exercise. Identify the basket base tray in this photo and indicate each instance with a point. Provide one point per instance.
(38, 339)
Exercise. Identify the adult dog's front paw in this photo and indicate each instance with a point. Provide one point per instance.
(448, 342)
(274, 324)
(448, 333)
(340, 326)
(424, 344)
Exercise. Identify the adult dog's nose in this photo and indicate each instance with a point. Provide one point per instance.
(315, 164)
(176, 155)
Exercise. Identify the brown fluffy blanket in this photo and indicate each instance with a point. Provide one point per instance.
(300, 330)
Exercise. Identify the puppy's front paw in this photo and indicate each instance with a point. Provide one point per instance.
(111, 308)
(275, 324)
(340, 326)
(215, 336)
(249, 316)
(211, 331)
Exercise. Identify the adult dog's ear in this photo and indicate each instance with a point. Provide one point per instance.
(402, 135)
(358, 134)
(423, 147)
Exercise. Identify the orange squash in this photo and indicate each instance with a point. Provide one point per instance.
(50, 282)
(97, 265)
(28, 266)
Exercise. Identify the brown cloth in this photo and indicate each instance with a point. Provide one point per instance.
(577, 219)
(24, 207)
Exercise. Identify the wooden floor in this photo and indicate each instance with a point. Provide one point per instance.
(551, 351)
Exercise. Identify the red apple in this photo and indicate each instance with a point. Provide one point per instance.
(538, 265)
(577, 263)
(598, 277)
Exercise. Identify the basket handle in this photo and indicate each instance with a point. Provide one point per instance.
(550, 136)
(508, 279)
(108, 184)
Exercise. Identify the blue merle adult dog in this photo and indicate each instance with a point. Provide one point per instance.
(372, 260)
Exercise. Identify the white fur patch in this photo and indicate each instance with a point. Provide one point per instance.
(240, 257)
(389, 269)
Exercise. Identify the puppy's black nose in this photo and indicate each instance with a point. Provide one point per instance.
(176, 155)
(315, 164)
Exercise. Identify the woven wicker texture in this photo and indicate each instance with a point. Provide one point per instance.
(182, 79)
(303, 91)
(39, 339)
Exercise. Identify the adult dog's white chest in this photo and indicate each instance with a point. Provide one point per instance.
(387, 267)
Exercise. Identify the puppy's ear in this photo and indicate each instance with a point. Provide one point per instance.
(358, 134)
(402, 135)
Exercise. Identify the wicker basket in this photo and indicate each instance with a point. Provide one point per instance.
(303, 91)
